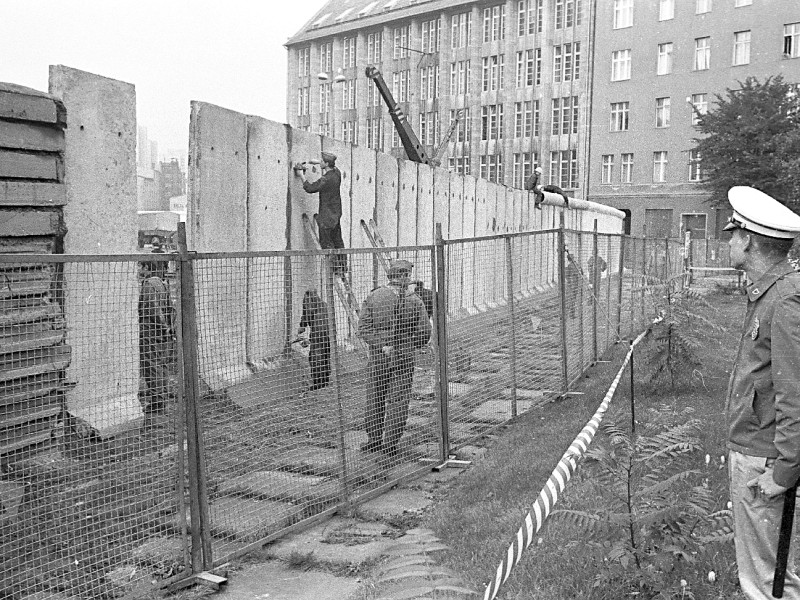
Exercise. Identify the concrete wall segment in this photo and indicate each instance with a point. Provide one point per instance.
(425, 205)
(363, 193)
(408, 203)
(387, 197)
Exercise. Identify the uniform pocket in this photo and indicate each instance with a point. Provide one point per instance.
(764, 402)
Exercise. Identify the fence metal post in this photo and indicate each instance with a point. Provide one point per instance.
(513, 335)
(440, 318)
(620, 283)
(644, 273)
(633, 401)
(335, 364)
(562, 283)
(580, 300)
(202, 558)
(666, 258)
(595, 290)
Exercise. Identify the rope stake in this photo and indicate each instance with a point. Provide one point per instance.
(557, 482)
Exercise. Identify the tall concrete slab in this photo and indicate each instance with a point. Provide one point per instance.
(386, 197)
(407, 204)
(462, 252)
(441, 199)
(268, 174)
(100, 303)
(425, 202)
(363, 193)
(468, 230)
(344, 164)
(305, 272)
(217, 214)
(483, 212)
(456, 229)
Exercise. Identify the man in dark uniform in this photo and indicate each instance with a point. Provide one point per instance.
(393, 322)
(763, 401)
(330, 206)
(155, 336)
(533, 185)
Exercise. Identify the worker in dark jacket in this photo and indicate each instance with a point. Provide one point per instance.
(330, 206)
(763, 402)
(315, 317)
(533, 185)
(425, 295)
(393, 323)
(155, 336)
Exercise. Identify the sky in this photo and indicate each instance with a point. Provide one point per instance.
(226, 52)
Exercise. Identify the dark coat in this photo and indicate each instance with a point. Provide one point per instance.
(330, 198)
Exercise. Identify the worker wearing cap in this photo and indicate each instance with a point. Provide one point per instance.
(393, 323)
(330, 206)
(533, 184)
(763, 400)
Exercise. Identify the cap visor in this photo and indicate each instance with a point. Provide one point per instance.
(730, 226)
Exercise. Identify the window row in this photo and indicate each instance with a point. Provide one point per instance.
(623, 10)
(619, 114)
(608, 175)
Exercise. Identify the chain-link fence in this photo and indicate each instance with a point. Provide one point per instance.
(160, 415)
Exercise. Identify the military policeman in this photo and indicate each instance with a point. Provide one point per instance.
(393, 323)
(763, 400)
(330, 206)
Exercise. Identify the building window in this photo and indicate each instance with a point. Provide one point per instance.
(493, 67)
(374, 47)
(662, 112)
(526, 68)
(565, 116)
(325, 98)
(626, 168)
(539, 15)
(695, 171)
(461, 30)
(700, 107)
(460, 75)
(741, 48)
(349, 88)
(702, 6)
(702, 53)
(524, 118)
(431, 32)
(303, 62)
(494, 23)
(303, 96)
(373, 96)
(664, 59)
(492, 122)
(567, 13)
(564, 168)
(326, 57)
(523, 163)
(660, 166)
(739, 3)
(526, 21)
(325, 128)
(458, 164)
(623, 13)
(538, 65)
(400, 83)
(492, 167)
(666, 10)
(607, 169)
(461, 133)
(401, 37)
(429, 82)
(566, 62)
(619, 116)
(348, 52)
(350, 132)
(375, 134)
(620, 65)
(791, 40)
(429, 128)
(395, 138)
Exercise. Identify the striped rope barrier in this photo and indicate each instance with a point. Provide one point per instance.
(555, 484)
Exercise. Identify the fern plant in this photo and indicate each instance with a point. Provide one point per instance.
(671, 353)
(656, 513)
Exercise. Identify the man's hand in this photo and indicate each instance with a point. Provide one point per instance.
(765, 485)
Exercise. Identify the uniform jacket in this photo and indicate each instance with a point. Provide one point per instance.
(391, 317)
(315, 315)
(330, 198)
(155, 309)
(763, 403)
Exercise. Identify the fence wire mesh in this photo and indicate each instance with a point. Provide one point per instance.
(316, 386)
(89, 508)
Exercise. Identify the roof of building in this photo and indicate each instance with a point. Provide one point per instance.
(341, 14)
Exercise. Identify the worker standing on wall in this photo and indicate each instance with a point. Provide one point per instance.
(330, 206)
(534, 185)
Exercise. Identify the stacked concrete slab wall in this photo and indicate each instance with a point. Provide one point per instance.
(243, 195)
(33, 352)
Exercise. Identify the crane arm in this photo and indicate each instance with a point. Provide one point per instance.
(437, 155)
(411, 144)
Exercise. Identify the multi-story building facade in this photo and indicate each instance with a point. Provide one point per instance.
(598, 92)
(516, 68)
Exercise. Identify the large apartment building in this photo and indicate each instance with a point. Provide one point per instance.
(597, 92)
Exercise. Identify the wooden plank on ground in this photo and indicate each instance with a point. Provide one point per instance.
(30, 387)
(29, 282)
(31, 136)
(32, 193)
(19, 223)
(19, 165)
(25, 364)
(31, 336)
(25, 245)
(25, 104)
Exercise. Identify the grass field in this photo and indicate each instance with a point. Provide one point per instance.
(479, 517)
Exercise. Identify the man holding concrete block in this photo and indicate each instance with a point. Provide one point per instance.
(330, 206)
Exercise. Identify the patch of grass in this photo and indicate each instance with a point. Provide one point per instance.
(479, 517)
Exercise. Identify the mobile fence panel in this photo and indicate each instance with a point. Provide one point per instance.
(92, 477)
